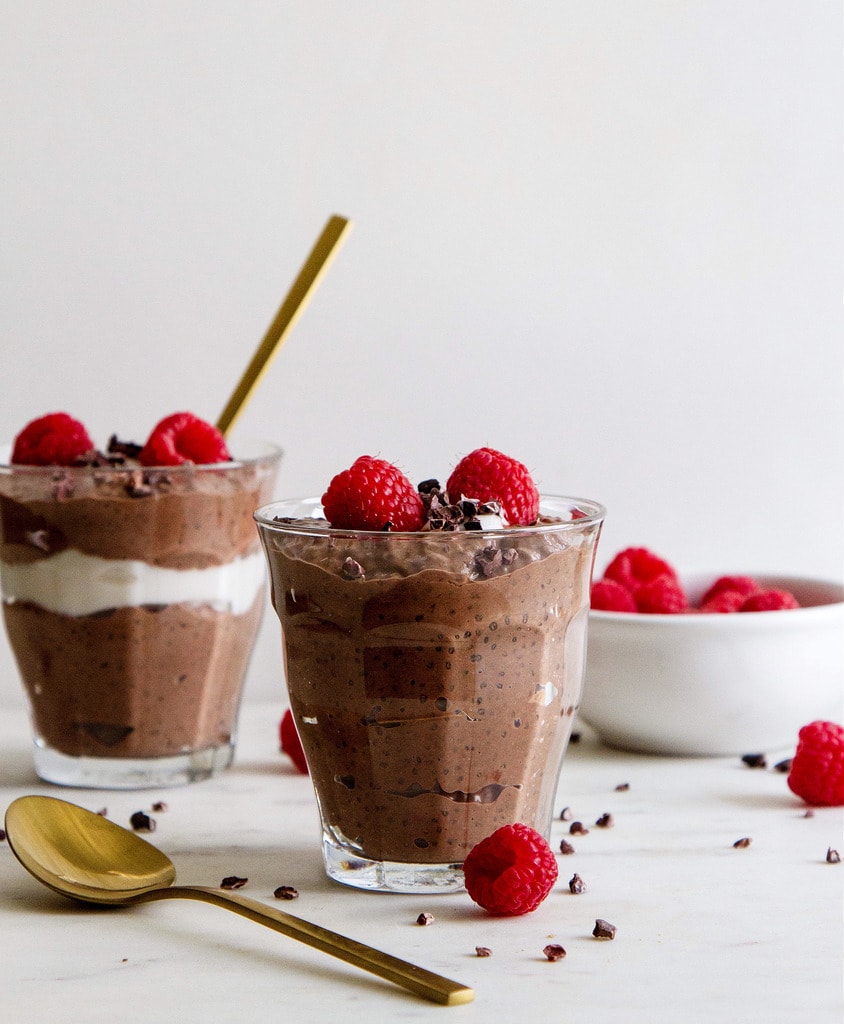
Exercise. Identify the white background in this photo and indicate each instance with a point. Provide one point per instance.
(603, 237)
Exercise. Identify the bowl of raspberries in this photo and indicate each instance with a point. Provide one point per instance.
(709, 664)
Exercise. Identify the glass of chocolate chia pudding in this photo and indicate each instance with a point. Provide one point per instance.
(132, 597)
(433, 678)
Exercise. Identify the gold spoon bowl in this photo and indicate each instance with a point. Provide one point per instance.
(86, 857)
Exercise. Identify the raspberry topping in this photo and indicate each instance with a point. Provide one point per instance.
(373, 495)
(724, 602)
(182, 438)
(634, 566)
(662, 595)
(742, 585)
(290, 742)
(510, 872)
(769, 601)
(52, 440)
(610, 596)
(817, 768)
(486, 475)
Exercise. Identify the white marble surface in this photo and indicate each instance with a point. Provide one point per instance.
(706, 932)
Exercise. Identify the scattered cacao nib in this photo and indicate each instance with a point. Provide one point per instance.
(783, 766)
(574, 738)
(755, 760)
(577, 829)
(492, 561)
(425, 918)
(142, 822)
(103, 812)
(833, 856)
(810, 813)
(428, 486)
(553, 952)
(129, 449)
(603, 929)
(3, 838)
(565, 814)
(576, 884)
(285, 892)
(233, 882)
(566, 847)
(483, 951)
(159, 807)
(743, 843)
(352, 570)
(622, 787)
(605, 821)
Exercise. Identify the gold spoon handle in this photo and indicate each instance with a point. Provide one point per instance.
(289, 312)
(416, 979)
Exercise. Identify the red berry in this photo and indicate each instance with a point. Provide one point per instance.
(661, 596)
(487, 475)
(371, 494)
(817, 768)
(52, 440)
(182, 438)
(769, 601)
(510, 872)
(743, 585)
(610, 596)
(290, 742)
(724, 601)
(634, 566)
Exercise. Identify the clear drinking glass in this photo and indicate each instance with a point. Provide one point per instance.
(433, 678)
(131, 599)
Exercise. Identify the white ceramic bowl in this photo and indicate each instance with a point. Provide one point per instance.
(716, 684)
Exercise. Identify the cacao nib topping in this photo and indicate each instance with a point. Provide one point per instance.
(428, 486)
(425, 919)
(833, 856)
(566, 847)
(577, 828)
(576, 885)
(605, 821)
(553, 951)
(286, 892)
(603, 929)
(755, 760)
(565, 814)
(483, 951)
(783, 766)
(142, 822)
(159, 807)
(622, 787)
(127, 449)
(743, 843)
(233, 882)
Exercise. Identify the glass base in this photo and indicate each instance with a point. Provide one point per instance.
(129, 772)
(345, 865)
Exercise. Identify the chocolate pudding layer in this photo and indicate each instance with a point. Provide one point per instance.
(433, 676)
(132, 598)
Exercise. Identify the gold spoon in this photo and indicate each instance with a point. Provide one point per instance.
(86, 857)
(294, 303)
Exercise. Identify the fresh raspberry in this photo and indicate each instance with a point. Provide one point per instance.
(817, 768)
(510, 872)
(52, 440)
(634, 566)
(487, 475)
(724, 602)
(611, 596)
(370, 495)
(769, 601)
(182, 438)
(290, 742)
(743, 585)
(661, 596)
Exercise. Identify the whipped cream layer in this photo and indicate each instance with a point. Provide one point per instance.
(73, 583)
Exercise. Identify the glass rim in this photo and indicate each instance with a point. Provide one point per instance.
(592, 513)
(268, 452)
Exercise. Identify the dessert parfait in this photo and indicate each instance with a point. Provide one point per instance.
(434, 644)
(132, 589)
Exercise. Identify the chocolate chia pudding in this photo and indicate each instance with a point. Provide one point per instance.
(433, 678)
(132, 598)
